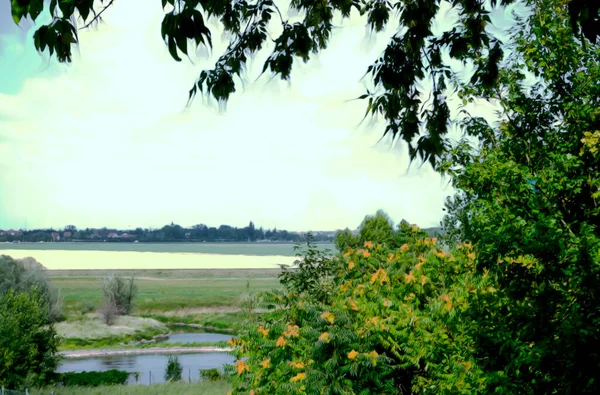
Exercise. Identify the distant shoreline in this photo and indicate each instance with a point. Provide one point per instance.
(141, 351)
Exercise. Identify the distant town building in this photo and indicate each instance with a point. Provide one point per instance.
(55, 236)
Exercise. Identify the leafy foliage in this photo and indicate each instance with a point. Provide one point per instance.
(93, 378)
(415, 57)
(391, 325)
(529, 203)
(28, 343)
(14, 275)
(173, 370)
(119, 293)
(211, 374)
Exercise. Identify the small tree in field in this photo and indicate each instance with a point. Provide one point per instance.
(118, 297)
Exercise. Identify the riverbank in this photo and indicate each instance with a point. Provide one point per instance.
(89, 353)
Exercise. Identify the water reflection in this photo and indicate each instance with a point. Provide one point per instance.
(151, 368)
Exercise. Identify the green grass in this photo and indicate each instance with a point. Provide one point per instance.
(257, 249)
(161, 295)
(201, 388)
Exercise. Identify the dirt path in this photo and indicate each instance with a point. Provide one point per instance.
(140, 351)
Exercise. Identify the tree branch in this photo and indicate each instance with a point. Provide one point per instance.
(97, 16)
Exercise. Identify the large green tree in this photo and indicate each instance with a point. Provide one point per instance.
(414, 56)
(528, 200)
(28, 343)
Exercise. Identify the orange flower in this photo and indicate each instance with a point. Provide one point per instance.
(353, 305)
(252, 392)
(231, 342)
(348, 253)
(471, 255)
(297, 365)
(281, 342)
(266, 363)
(381, 276)
(404, 247)
(421, 262)
(298, 377)
(324, 337)
(409, 277)
(292, 331)
(441, 254)
(352, 354)
(390, 257)
(241, 367)
(350, 265)
(368, 244)
(328, 316)
(264, 331)
(366, 253)
(423, 280)
(434, 241)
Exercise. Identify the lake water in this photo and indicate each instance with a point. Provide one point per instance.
(149, 367)
(130, 256)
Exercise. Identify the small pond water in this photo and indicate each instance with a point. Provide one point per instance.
(149, 365)
(197, 338)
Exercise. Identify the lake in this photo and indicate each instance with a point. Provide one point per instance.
(135, 256)
(150, 367)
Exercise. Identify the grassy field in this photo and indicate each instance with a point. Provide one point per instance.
(210, 298)
(253, 249)
(162, 291)
(201, 388)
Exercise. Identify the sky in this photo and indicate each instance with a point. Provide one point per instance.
(108, 141)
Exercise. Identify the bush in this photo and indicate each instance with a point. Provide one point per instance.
(24, 276)
(94, 379)
(392, 323)
(118, 297)
(173, 371)
(211, 374)
(28, 341)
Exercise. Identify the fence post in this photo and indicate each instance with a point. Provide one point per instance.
(150, 377)
(26, 391)
(2, 390)
(190, 376)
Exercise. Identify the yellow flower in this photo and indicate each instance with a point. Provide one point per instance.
(231, 342)
(404, 247)
(390, 257)
(353, 305)
(298, 377)
(328, 316)
(381, 276)
(409, 277)
(421, 262)
(264, 331)
(471, 255)
(292, 331)
(241, 367)
(351, 265)
(324, 337)
(281, 342)
(266, 363)
(348, 253)
(441, 254)
(366, 253)
(373, 357)
(368, 244)
(352, 354)
(423, 280)
(297, 365)
(434, 241)
(387, 303)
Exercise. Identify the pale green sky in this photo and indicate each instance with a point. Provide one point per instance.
(106, 141)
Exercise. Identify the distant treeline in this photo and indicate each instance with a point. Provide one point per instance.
(168, 233)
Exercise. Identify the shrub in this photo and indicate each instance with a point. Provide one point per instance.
(23, 276)
(28, 342)
(94, 379)
(392, 324)
(211, 374)
(174, 369)
(119, 294)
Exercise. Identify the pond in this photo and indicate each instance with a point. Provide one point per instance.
(151, 368)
